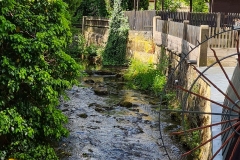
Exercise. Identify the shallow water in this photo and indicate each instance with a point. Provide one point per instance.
(100, 128)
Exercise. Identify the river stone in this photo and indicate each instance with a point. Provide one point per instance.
(100, 91)
(102, 72)
(89, 81)
(126, 104)
(99, 109)
(65, 110)
(83, 115)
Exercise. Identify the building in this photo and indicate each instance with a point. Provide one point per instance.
(226, 6)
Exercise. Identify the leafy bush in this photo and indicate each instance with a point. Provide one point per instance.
(77, 47)
(34, 73)
(115, 50)
(144, 76)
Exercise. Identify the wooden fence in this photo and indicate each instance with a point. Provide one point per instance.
(140, 20)
(179, 37)
(223, 40)
(100, 22)
(193, 34)
(176, 29)
(143, 21)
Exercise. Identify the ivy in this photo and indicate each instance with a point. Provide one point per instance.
(35, 70)
(115, 50)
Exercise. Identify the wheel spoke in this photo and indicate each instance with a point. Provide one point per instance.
(215, 86)
(209, 140)
(200, 128)
(219, 104)
(198, 112)
(229, 81)
(228, 139)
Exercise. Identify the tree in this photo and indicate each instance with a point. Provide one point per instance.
(73, 5)
(169, 5)
(198, 5)
(129, 4)
(35, 71)
(115, 50)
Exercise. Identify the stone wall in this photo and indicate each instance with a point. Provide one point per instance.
(188, 78)
(142, 47)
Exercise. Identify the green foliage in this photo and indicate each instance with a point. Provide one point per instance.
(169, 5)
(73, 5)
(91, 50)
(34, 72)
(91, 8)
(144, 76)
(115, 50)
(77, 47)
(198, 5)
(129, 5)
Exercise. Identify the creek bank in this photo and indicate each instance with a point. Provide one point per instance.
(116, 123)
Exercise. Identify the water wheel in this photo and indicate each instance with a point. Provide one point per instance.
(202, 105)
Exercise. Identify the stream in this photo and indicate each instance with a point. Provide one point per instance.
(107, 121)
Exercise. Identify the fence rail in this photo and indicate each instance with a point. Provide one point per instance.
(100, 22)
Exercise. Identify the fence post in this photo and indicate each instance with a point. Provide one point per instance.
(83, 24)
(218, 20)
(204, 33)
(155, 18)
(185, 23)
(168, 21)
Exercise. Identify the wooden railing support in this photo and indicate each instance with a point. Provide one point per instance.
(204, 32)
(155, 18)
(185, 23)
(83, 24)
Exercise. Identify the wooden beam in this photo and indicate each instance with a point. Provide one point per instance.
(162, 5)
(210, 6)
(190, 5)
(155, 2)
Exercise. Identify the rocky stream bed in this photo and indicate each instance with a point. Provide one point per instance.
(109, 122)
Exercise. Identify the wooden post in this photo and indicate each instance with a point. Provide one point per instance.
(218, 20)
(137, 5)
(185, 23)
(83, 24)
(155, 18)
(134, 22)
(210, 6)
(155, 2)
(169, 19)
(190, 5)
(202, 59)
(162, 5)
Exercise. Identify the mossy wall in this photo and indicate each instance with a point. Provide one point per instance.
(141, 47)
